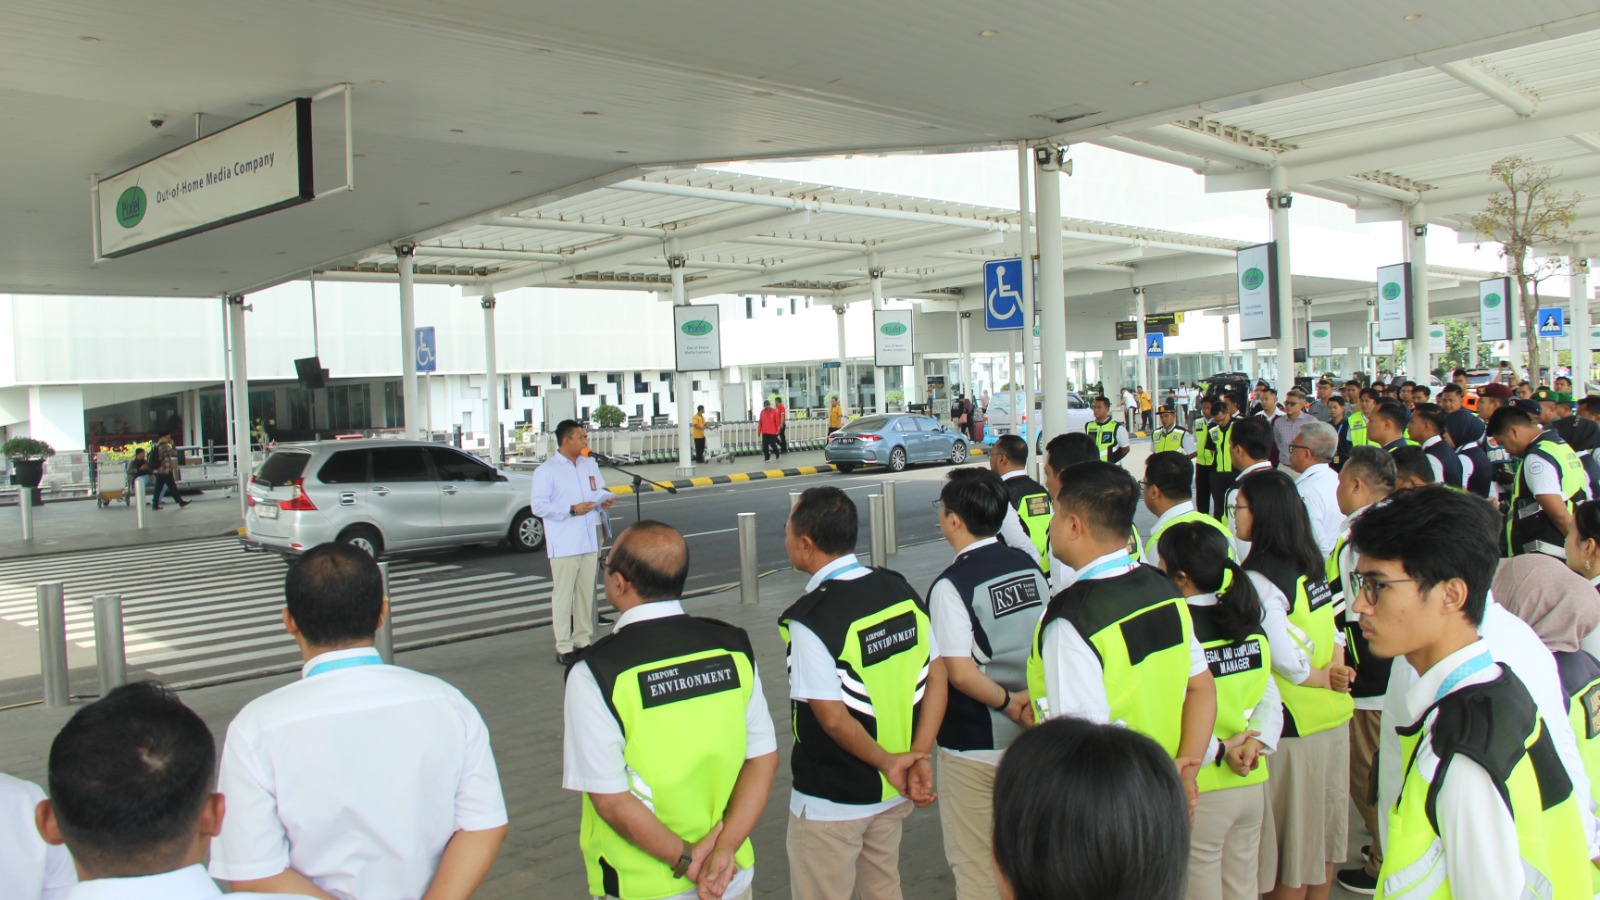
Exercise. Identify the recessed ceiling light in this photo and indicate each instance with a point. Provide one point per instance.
(989, 32)
(763, 93)
(169, 137)
(255, 105)
(423, 203)
(1412, 17)
(758, 140)
(543, 51)
(516, 171)
(458, 131)
(621, 151)
(1140, 83)
(590, 112)
(88, 39)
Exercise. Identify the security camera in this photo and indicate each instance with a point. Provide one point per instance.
(157, 120)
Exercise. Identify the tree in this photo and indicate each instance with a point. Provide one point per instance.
(1462, 351)
(1527, 214)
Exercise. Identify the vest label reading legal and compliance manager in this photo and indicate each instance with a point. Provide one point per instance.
(684, 681)
(1227, 660)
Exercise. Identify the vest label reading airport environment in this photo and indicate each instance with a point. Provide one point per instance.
(257, 166)
(697, 336)
(884, 641)
(687, 680)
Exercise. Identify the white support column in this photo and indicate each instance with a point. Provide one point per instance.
(1139, 312)
(1030, 350)
(1279, 199)
(492, 393)
(1051, 300)
(1418, 362)
(241, 396)
(682, 384)
(191, 418)
(844, 362)
(880, 375)
(405, 255)
(1582, 345)
(964, 338)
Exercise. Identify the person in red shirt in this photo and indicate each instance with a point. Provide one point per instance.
(770, 425)
(783, 423)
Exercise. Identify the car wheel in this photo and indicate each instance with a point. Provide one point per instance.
(527, 532)
(897, 459)
(845, 468)
(958, 453)
(362, 537)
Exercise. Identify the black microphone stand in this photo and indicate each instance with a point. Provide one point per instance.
(638, 506)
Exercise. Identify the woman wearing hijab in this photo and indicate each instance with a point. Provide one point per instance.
(1583, 541)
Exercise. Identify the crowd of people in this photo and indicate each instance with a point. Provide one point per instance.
(1390, 608)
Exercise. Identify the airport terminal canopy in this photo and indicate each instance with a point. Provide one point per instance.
(471, 112)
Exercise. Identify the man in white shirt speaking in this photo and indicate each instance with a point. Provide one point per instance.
(571, 498)
(1317, 483)
(362, 779)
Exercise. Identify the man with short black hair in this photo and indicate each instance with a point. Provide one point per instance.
(1427, 428)
(1110, 438)
(1386, 426)
(1412, 468)
(1589, 408)
(1550, 482)
(1205, 459)
(1170, 435)
(1317, 407)
(1027, 525)
(867, 696)
(673, 780)
(570, 496)
(1250, 446)
(983, 609)
(1338, 418)
(312, 773)
(1420, 393)
(1166, 495)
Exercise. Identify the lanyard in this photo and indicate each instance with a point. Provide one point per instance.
(837, 572)
(1121, 559)
(1464, 671)
(350, 662)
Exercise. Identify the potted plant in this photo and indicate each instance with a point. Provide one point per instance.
(27, 457)
(608, 416)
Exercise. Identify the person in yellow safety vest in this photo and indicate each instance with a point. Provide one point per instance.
(1563, 609)
(1118, 645)
(1485, 808)
(1027, 522)
(1223, 416)
(1360, 403)
(1550, 481)
(668, 735)
(1110, 438)
(1226, 839)
(1171, 435)
(1166, 496)
(1205, 459)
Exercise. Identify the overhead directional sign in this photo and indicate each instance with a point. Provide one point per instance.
(1166, 323)
(1002, 293)
(1126, 330)
(1552, 322)
(426, 348)
(1154, 345)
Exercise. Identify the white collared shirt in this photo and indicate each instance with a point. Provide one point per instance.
(1074, 679)
(1241, 547)
(189, 883)
(1318, 486)
(1266, 716)
(1515, 645)
(354, 777)
(560, 484)
(592, 748)
(1152, 555)
(31, 868)
(814, 675)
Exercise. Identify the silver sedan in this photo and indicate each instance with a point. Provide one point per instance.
(896, 441)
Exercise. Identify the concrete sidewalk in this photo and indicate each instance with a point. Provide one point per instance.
(518, 688)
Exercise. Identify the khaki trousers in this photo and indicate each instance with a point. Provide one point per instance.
(572, 600)
(1364, 732)
(1225, 844)
(966, 815)
(840, 860)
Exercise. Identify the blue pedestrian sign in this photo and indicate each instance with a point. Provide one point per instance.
(1552, 322)
(1002, 293)
(1155, 345)
(426, 350)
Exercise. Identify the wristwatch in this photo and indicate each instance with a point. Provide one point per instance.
(572, 510)
(684, 861)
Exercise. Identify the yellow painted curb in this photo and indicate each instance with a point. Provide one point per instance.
(739, 476)
(701, 481)
(807, 470)
(621, 489)
(773, 473)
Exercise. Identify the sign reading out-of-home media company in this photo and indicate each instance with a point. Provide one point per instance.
(1321, 339)
(1258, 292)
(1494, 316)
(891, 337)
(1394, 302)
(257, 166)
(697, 335)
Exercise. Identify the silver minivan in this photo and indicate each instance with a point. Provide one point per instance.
(385, 496)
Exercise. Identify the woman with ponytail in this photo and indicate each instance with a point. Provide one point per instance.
(1225, 841)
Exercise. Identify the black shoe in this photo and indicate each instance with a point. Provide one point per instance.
(1357, 881)
(567, 659)
(153, 506)
(183, 503)
(1366, 852)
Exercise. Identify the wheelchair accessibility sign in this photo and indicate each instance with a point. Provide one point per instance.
(426, 350)
(1002, 295)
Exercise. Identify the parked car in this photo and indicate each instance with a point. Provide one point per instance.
(1078, 415)
(385, 496)
(896, 441)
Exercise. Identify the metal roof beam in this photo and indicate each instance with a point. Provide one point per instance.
(488, 253)
(886, 253)
(827, 206)
(1588, 140)
(1208, 146)
(1470, 73)
(577, 227)
(1582, 176)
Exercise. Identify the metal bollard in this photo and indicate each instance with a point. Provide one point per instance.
(875, 527)
(749, 591)
(52, 605)
(25, 503)
(110, 649)
(891, 537)
(384, 639)
(138, 503)
(794, 499)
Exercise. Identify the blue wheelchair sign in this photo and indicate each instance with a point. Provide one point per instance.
(1552, 322)
(1155, 345)
(1002, 295)
(426, 350)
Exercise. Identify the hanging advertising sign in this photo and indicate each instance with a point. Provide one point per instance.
(1394, 302)
(1494, 302)
(1321, 342)
(257, 166)
(891, 337)
(1380, 347)
(1436, 339)
(697, 337)
(1258, 292)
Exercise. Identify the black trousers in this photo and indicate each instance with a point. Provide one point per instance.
(783, 437)
(166, 486)
(1202, 489)
(1221, 483)
(699, 450)
(770, 446)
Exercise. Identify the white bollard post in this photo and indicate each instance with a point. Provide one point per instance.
(875, 529)
(384, 639)
(25, 503)
(52, 609)
(138, 503)
(794, 500)
(891, 538)
(110, 649)
(749, 591)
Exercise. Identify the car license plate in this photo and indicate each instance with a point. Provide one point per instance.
(847, 440)
(267, 510)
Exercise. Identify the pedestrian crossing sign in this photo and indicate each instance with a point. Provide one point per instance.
(1154, 344)
(1552, 322)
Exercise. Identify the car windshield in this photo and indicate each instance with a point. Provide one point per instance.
(869, 423)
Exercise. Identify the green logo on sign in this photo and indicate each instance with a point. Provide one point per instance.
(1252, 279)
(1391, 291)
(1320, 333)
(1436, 333)
(1490, 301)
(893, 329)
(697, 327)
(131, 207)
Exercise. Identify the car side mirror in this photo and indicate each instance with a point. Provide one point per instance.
(501, 476)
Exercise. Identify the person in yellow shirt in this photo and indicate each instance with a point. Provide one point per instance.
(835, 414)
(697, 431)
(1144, 409)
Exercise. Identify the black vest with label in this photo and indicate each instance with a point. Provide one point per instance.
(1482, 470)
(1004, 593)
(642, 643)
(1448, 461)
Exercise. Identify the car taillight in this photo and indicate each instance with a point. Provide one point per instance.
(299, 502)
(249, 499)
(871, 437)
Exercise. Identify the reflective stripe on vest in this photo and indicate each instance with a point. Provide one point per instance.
(1358, 429)
(1528, 529)
(1242, 670)
(1033, 508)
(1222, 439)
(1205, 451)
(1168, 440)
(1105, 437)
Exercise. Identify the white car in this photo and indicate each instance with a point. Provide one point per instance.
(999, 418)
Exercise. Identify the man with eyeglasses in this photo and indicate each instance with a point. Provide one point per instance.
(1316, 481)
(1317, 407)
(1464, 766)
(1286, 428)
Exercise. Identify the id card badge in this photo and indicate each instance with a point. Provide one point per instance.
(592, 485)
